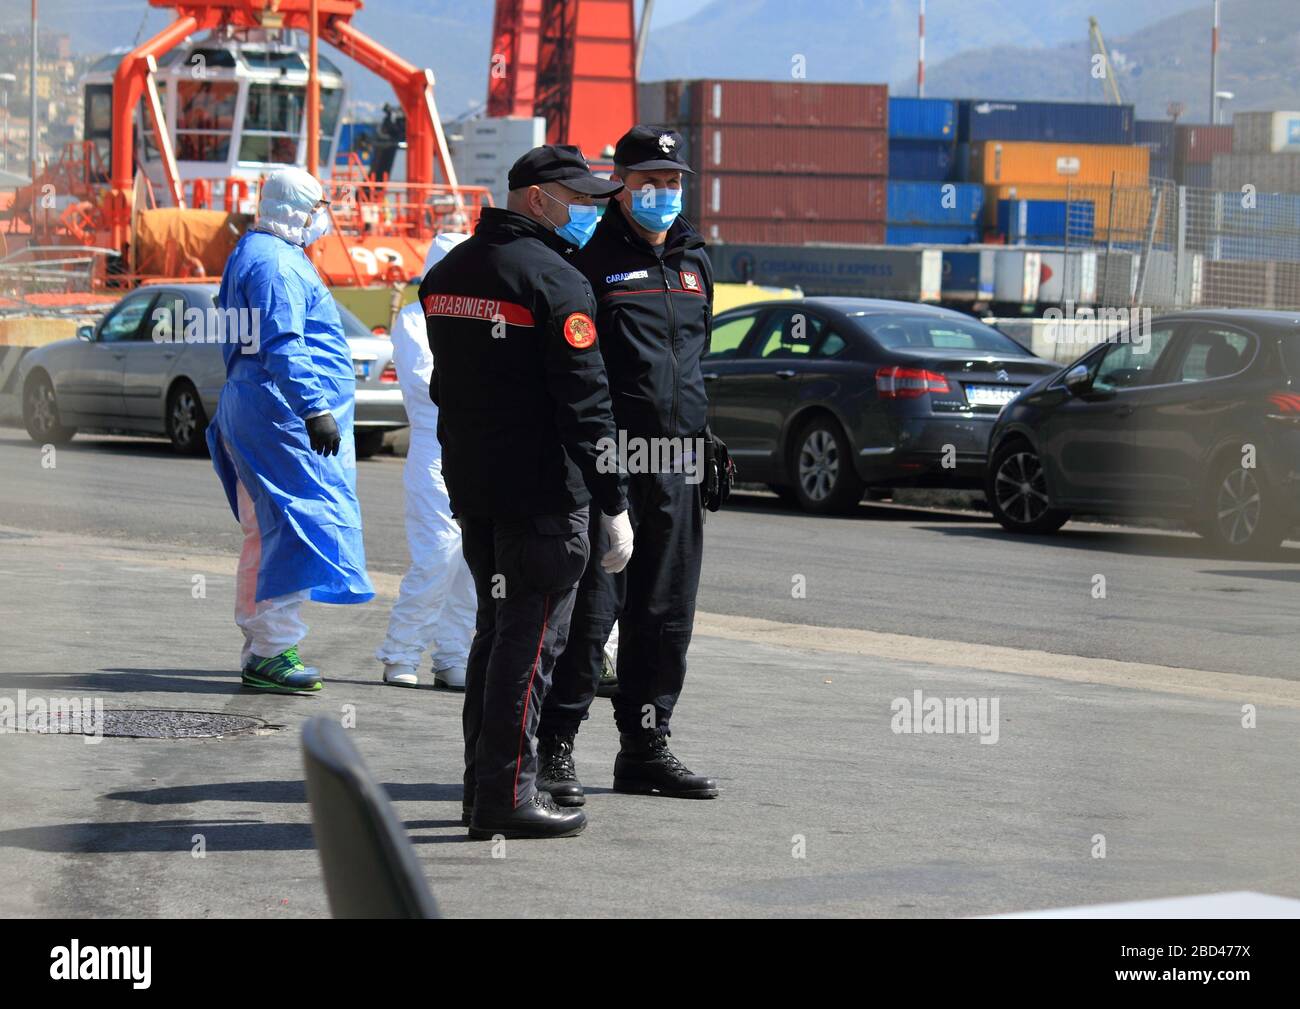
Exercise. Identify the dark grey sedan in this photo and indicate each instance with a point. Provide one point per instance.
(131, 374)
(821, 398)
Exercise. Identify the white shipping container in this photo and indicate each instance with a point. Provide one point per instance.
(1016, 276)
(1265, 132)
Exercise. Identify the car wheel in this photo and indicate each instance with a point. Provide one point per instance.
(368, 442)
(1017, 491)
(825, 481)
(186, 421)
(1243, 516)
(41, 413)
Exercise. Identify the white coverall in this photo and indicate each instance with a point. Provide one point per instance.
(436, 604)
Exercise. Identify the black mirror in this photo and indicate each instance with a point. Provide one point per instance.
(86, 333)
(1078, 379)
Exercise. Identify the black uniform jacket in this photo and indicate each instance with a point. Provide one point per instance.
(518, 377)
(654, 315)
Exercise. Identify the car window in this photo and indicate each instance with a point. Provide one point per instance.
(124, 322)
(1214, 352)
(729, 334)
(832, 346)
(1132, 360)
(160, 327)
(789, 332)
(905, 332)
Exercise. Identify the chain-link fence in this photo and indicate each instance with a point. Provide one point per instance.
(1160, 245)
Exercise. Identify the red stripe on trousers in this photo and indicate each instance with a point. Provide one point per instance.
(528, 697)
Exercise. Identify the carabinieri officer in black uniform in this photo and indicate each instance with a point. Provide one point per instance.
(654, 290)
(522, 403)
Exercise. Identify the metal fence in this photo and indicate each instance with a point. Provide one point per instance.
(1164, 246)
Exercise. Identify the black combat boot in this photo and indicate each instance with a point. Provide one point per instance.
(536, 817)
(645, 764)
(556, 773)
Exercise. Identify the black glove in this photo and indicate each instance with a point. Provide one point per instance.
(324, 434)
(719, 471)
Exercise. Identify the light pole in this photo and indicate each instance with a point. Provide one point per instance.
(6, 81)
(32, 128)
(1219, 98)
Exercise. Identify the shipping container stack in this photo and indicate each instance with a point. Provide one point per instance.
(929, 201)
(1265, 153)
(1195, 148)
(1157, 136)
(1048, 168)
(779, 163)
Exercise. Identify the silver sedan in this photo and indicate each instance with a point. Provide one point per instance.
(118, 377)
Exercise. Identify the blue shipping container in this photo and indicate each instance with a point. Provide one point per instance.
(922, 160)
(1046, 222)
(1272, 212)
(1073, 122)
(1157, 135)
(922, 119)
(944, 203)
(968, 276)
(1249, 248)
(922, 234)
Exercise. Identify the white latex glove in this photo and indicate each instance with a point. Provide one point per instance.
(618, 529)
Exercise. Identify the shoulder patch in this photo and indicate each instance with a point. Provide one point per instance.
(579, 330)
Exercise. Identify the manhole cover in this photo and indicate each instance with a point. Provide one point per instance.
(147, 723)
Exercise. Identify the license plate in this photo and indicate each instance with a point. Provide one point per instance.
(362, 368)
(991, 395)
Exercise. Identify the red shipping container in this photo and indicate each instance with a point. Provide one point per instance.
(1197, 145)
(721, 230)
(776, 103)
(814, 150)
(767, 196)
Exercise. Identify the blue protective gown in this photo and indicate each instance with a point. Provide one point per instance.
(306, 504)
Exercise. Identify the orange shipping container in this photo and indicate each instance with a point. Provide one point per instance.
(1130, 210)
(1004, 162)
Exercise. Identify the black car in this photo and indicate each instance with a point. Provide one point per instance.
(1198, 420)
(821, 398)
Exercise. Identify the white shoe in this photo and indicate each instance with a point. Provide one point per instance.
(400, 675)
(452, 677)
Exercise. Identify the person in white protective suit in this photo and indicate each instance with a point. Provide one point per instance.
(436, 604)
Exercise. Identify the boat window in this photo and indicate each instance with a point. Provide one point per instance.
(261, 59)
(331, 100)
(272, 123)
(148, 143)
(205, 117)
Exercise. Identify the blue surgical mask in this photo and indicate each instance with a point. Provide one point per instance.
(655, 210)
(581, 225)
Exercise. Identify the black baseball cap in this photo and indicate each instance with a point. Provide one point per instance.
(561, 163)
(643, 148)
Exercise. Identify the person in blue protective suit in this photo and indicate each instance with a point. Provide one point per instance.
(281, 439)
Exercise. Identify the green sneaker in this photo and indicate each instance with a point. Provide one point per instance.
(282, 674)
(608, 684)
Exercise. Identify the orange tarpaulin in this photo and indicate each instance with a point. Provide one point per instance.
(185, 243)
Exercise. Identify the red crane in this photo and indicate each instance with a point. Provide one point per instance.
(571, 61)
